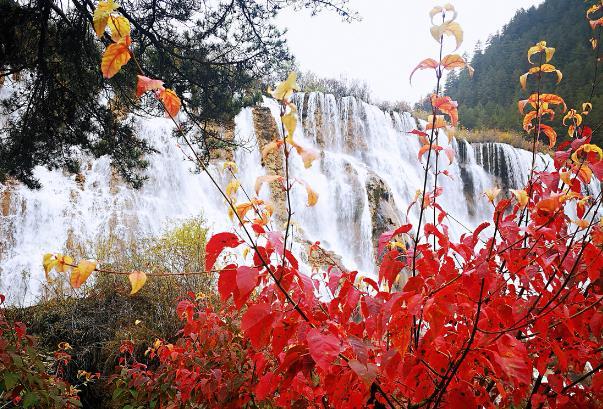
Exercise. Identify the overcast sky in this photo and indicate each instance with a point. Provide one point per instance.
(391, 39)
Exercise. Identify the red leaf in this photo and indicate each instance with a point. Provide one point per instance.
(227, 282)
(390, 267)
(246, 280)
(323, 348)
(275, 238)
(265, 386)
(216, 244)
(420, 133)
(512, 357)
(561, 357)
(257, 324)
(387, 236)
(367, 373)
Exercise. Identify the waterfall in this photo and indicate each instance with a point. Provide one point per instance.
(366, 177)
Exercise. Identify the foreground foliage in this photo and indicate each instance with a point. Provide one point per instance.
(508, 315)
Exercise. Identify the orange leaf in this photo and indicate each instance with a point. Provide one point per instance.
(550, 133)
(549, 205)
(271, 147)
(115, 56)
(595, 23)
(137, 280)
(147, 84)
(545, 99)
(308, 155)
(265, 179)
(426, 147)
(452, 61)
(423, 65)
(447, 106)
(81, 273)
(170, 101)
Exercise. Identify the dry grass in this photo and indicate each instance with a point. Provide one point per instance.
(512, 138)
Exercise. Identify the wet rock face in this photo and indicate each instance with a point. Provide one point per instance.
(384, 215)
(266, 131)
(466, 177)
(492, 158)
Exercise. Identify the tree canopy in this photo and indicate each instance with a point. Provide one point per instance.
(56, 105)
(489, 99)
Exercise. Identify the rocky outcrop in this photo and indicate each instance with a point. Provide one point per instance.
(384, 215)
(266, 132)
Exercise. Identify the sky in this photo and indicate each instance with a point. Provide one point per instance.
(389, 42)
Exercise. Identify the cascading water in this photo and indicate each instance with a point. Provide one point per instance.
(366, 177)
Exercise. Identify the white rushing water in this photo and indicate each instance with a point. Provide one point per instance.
(360, 145)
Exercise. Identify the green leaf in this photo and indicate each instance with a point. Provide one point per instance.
(30, 399)
(10, 380)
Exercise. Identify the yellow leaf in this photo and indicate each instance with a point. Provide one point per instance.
(450, 28)
(423, 65)
(521, 196)
(63, 263)
(594, 43)
(119, 27)
(137, 280)
(170, 101)
(593, 9)
(266, 179)
(584, 151)
(115, 56)
(492, 193)
(439, 122)
(81, 273)
(538, 48)
(231, 166)
(586, 108)
(285, 89)
(435, 11)
(290, 121)
(48, 261)
(566, 178)
(438, 9)
(523, 80)
(312, 196)
(574, 116)
(232, 188)
(101, 15)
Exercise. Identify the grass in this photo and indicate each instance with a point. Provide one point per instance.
(512, 138)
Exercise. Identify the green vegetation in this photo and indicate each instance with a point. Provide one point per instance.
(97, 318)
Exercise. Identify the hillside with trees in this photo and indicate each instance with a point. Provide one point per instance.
(489, 99)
